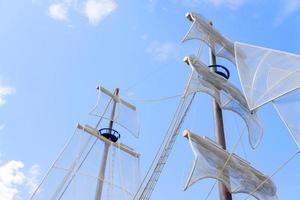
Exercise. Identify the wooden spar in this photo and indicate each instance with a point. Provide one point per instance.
(94, 132)
(115, 97)
(102, 168)
(219, 128)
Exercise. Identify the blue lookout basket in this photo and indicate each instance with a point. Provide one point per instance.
(110, 134)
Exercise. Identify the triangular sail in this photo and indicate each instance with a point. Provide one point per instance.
(237, 175)
(288, 108)
(126, 115)
(74, 173)
(202, 30)
(266, 74)
(227, 96)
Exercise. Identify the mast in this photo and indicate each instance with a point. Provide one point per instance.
(102, 168)
(219, 128)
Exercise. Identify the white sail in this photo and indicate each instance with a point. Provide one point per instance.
(266, 74)
(202, 30)
(126, 115)
(227, 96)
(288, 108)
(237, 175)
(74, 173)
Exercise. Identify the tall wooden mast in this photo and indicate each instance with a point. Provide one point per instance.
(102, 168)
(219, 128)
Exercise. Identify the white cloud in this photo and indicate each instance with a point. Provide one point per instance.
(288, 8)
(5, 91)
(96, 10)
(162, 51)
(59, 11)
(32, 180)
(14, 181)
(11, 177)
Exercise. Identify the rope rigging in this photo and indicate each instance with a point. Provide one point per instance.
(227, 160)
(284, 164)
(152, 175)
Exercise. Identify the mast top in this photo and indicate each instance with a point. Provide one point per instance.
(186, 60)
(186, 134)
(189, 16)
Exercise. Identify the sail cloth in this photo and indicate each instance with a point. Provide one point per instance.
(74, 175)
(288, 108)
(237, 175)
(227, 96)
(269, 75)
(266, 74)
(126, 115)
(202, 30)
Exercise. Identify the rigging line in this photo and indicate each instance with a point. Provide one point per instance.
(95, 107)
(284, 164)
(74, 174)
(164, 150)
(168, 147)
(239, 130)
(156, 158)
(76, 170)
(75, 163)
(53, 164)
(166, 137)
(147, 77)
(228, 159)
(72, 167)
(121, 174)
(157, 99)
(144, 182)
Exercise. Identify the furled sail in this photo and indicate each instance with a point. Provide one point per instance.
(74, 173)
(237, 175)
(266, 74)
(227, 96)
(202, 30)
(126, 115)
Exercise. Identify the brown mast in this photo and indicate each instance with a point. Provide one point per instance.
(219, 128)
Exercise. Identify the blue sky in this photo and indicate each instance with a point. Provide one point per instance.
(54, 53)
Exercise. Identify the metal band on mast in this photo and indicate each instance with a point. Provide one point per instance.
(219, 128)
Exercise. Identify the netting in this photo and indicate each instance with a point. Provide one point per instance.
(288, 107)
(203, 31)
(266, 74)
(237, 175)
(126, 115)
(227, 96)
(149, 182)
(74, 175)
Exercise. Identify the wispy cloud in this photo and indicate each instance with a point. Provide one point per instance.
(13, 179)
(162, 51)
(5, 91)
(59, 11)
(288, 8)
(96, 10)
